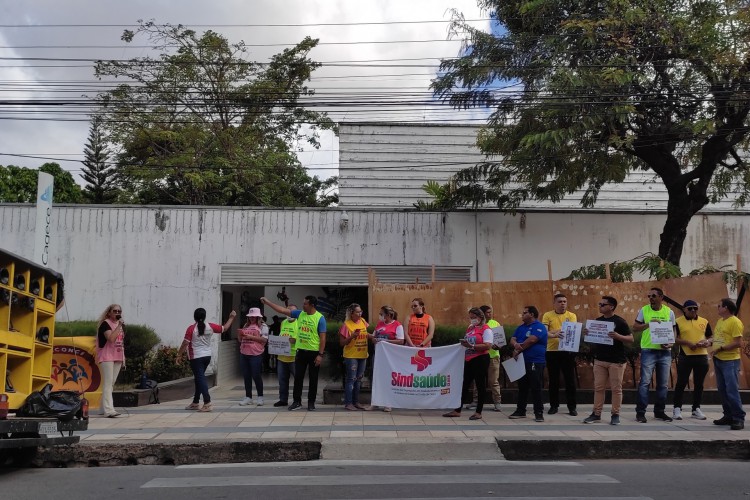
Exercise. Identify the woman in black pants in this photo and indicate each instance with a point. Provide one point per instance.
(477, 341)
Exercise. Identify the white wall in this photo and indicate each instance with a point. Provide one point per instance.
(160, 263)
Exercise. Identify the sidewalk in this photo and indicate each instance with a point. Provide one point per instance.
(229, 421)
(332, 431)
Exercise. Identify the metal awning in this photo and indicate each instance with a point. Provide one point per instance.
(332, 274)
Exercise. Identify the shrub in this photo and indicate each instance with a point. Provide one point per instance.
(162, 365)
(140, 339)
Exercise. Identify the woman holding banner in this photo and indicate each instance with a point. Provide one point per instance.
(477, 341)
(390, 330)
(353, 338)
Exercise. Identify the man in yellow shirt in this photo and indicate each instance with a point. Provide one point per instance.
(693, 332)
(560, 361)
(726, 344)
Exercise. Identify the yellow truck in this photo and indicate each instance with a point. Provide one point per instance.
(30, 295)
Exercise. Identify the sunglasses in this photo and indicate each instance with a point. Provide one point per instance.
(116, 310)
(691, 308)
(652, 295)
(602, 304)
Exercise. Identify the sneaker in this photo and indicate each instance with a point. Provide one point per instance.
(723, 421)
(677, 414)
(615, 420)
(573, 412)
(193, 406)
(698, 414)
(663, 417)
(641, 418)
(517, 414)
(539, 417)
(737, 425)
(294, 406)
(497, 407)
(350, 407)
(259, 401)
(470, 406)
(278, 404)
(552, 410)
(387, 409)
(246, 401)
(310, 406)
(592, 419)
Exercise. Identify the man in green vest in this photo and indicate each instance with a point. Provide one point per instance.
(311, 346)
(653, 356)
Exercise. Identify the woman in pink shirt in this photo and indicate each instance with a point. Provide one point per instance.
(253, 338)
(110, 353)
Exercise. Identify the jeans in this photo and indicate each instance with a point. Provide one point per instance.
(475, 372)
(728, 385)
(565, 362)
(284, 369)
(252, 368)
(661, 359)
(199, 365)
(110, 370)
(304, 360)
(698, 364)
(607, 372)
(355, 370)
(531, 381)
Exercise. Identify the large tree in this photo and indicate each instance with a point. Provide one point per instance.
(201, 124)
(98, 171)
(605, 87)
(19, 184)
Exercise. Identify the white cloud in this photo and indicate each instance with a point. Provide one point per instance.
(65, 139)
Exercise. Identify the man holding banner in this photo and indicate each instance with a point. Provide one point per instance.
(609, 359)
(655, 354)
(559, 360)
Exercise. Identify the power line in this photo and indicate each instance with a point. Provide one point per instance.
(281, 25)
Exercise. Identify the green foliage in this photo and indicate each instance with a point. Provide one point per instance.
(139, 341)
(19, 184)
(442, 194)
(603, 88)
(97, 171)
(202, 124)
(648, 263)
(75, 328)
(162, 365)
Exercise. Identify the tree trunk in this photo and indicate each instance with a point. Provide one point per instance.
(684, 203)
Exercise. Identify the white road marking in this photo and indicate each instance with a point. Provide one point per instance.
(376, 479)
(379, 463)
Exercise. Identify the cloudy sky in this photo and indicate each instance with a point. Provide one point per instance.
(380, 46)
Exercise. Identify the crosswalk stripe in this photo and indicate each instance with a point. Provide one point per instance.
(379, 463)
(377, 479)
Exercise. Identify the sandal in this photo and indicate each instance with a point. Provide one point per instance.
(206, 407)
(359, 406)
(193, 406)
(452, 414)
(350, 408)
(476, 416)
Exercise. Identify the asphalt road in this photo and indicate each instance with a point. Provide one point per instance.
(610, 479)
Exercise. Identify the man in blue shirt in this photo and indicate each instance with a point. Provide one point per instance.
(530, 338)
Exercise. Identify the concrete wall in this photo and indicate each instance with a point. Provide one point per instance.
(160, 263)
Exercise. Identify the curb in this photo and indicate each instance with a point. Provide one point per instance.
(565, 449)
(111, 454)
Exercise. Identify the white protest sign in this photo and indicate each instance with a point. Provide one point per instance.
(597, 332)
(570, 336)
(661, 333)
(514, 368)
(498, 336)
(279, 346)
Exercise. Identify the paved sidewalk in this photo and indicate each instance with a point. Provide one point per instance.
(231, 422)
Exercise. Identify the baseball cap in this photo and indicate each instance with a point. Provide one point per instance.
(690, 303)
(254, 313)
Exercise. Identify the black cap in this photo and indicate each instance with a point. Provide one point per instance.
(690, 303)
